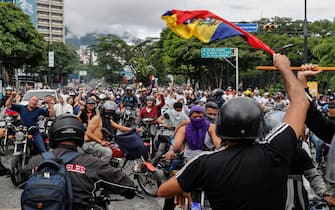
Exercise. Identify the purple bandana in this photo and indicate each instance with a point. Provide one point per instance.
(196, 132)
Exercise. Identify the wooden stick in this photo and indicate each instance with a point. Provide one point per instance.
(295, 68)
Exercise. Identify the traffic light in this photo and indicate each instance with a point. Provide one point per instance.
(270, 27)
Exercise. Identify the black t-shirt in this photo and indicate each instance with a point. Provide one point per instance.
(301, 162)
(245, 176)
(86, 116)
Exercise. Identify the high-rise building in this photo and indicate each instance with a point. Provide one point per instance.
(28, 7)
(50, 20)
(46, 15)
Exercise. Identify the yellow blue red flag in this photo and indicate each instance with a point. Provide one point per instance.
(208, 27)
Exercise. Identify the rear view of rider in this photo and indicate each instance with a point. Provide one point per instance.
(84, 170)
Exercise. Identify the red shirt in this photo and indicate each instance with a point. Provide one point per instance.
(154, 110)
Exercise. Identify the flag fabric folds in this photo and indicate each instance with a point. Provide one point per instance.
(208, 27)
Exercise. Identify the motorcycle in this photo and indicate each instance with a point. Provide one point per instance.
(6, 139)
(23, 150)
(127, 154)
(148, 134)
(101, 199)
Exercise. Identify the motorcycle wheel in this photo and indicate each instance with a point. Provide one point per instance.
(17, 175)
(3, 147)
(149, 182)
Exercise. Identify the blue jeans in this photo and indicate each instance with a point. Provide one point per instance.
(38, 142)
(318, 143)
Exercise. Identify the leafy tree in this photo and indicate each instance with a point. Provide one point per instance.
(112, 53)
(20, 43)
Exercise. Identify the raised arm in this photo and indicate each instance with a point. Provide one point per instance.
(296, 114)
(319, 124)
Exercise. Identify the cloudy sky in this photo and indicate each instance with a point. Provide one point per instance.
(142, 17)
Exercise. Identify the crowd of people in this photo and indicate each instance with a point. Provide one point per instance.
(230, 151)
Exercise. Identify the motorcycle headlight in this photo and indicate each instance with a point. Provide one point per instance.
(19, 136)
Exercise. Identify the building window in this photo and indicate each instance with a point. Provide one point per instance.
(42, 13)
(42, 20)
(57, 21)
(56, 7)
(56, 14)
(57, 29)
(43, 27)
(42, 5)
(57, 36)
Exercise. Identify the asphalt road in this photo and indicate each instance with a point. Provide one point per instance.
(10, 199)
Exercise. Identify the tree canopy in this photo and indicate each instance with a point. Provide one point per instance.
(20, 43)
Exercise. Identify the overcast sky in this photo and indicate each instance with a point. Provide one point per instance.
(143, 17)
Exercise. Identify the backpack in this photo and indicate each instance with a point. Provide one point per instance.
(50, 186)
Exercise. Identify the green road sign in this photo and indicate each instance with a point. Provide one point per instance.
(216, 52)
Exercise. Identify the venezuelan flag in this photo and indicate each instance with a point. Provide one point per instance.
(208, 27)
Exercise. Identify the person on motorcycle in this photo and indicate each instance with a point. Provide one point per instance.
(84, 170)
(211, 111)
(217, 97)
(151, 110)
(29, 117)
(169, 121)
(246, 174)
(191, 137)
(62, 107)
(129, 99)
(8, 93)
(88, 112)
(97, 142)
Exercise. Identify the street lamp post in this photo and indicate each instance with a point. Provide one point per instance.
(305, 34)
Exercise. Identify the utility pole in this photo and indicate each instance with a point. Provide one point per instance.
(305, 35)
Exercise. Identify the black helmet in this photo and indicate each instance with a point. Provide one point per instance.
(240, 118)
(218, 92)
(108, 109)
(66, 127)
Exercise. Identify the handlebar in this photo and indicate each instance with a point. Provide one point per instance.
(145, 120)
(103, 183)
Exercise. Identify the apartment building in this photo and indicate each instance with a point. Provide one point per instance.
(50, 20)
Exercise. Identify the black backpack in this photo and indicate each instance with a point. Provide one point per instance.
(50, 187)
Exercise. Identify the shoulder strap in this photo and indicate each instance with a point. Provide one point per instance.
(49, 158)
(67, 157)
(48, 155)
